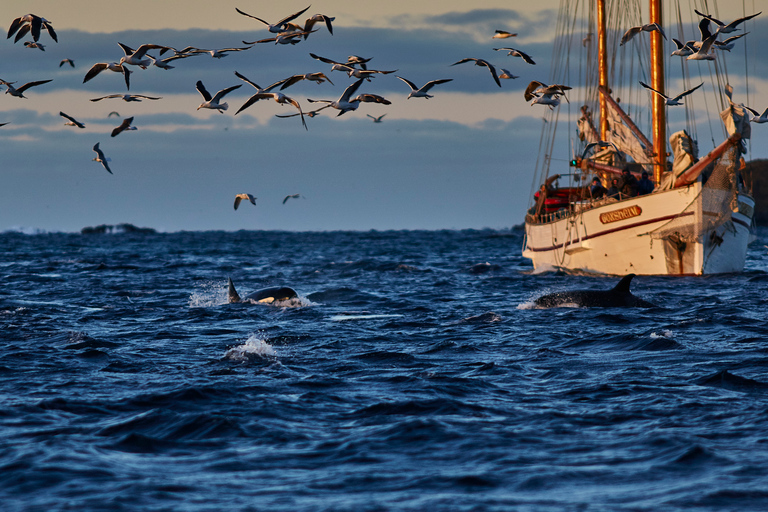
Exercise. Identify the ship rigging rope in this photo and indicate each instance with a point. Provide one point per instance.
(576, 37)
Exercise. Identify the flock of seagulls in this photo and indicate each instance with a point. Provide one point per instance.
(290, 30)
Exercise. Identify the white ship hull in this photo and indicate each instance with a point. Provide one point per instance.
(614, 237)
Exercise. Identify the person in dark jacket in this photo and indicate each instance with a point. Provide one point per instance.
(644, 186)
(628, 184)
(597, 190)
(613, 191)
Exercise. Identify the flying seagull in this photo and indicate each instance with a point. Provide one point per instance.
(507, 75)
(19, 92)
(727, 44)
(72, 121)
(722, 27)
(136, 57)
(216, 54)
(683, 49)
(291, 196)
(632, 32)
(67, 61)
(125, 125)
(516, 53)
(31, 44)
(345, 103)
(421, 92)
(502, 34)
(112, 66)
(758, 118)
(536, 89)
(30, 23)
(674, 100)
(247, 197)
(376, 119)
(482, 62)
(317, 77)
(214, 102)
(317, 18)
(129, 97)
(281, 25)
(101, 158)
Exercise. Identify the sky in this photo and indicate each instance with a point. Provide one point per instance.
(462, 159)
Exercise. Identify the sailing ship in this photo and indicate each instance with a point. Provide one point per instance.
(698, 218)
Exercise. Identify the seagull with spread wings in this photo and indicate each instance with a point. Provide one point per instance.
(214, 102)
(675, 100)
(247, 197)
(19, 91)
(72, 121)
(482, 62)
(125, 125)
(648, 27)
(516, 53)
(129, 97)
(280, 26)
(112, 66)
(101, 158)
(422, 92)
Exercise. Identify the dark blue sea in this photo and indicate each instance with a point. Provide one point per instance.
(411, 374)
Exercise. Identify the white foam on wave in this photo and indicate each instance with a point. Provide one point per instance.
(347, 317)
(667, 334)
(253, 347)
(208, 294)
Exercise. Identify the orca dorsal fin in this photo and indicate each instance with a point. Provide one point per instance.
(232, 293)
(623, 286)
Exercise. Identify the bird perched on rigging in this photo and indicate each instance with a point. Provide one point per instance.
(648, 27)
(675, 100)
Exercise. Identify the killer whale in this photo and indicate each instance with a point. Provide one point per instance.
(265, 296)
(617, 297)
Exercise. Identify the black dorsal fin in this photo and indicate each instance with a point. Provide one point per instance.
(623, 286)
(232, 293)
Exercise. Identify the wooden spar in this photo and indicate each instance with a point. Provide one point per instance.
(658, 104)
(596, 166)
(624, 117)
(692, 173)
(602, 65)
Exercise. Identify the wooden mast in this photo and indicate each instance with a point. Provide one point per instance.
(658, 107)
(602, 67)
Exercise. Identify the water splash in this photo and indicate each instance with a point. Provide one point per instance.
(208, 294)
(253, 347)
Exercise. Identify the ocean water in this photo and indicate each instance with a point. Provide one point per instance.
(411, 373)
